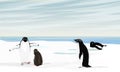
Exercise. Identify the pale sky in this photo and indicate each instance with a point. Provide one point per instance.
(59, 18)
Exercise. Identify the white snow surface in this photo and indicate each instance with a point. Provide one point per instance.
(60, 56)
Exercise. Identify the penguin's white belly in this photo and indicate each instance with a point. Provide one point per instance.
(24, 51)
(24, 46)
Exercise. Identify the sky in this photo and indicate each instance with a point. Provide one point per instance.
(59, 18)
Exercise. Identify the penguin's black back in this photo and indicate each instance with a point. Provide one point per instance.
(37, 58)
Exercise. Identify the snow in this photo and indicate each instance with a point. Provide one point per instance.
(60, 56)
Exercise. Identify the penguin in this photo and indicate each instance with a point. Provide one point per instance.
(97, 45)
(24, 50)
(24, 47)
(37, 58)
(83, 51)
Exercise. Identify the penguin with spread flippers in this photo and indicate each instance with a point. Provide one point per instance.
(24, 50)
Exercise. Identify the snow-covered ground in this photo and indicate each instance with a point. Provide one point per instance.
(60, 56)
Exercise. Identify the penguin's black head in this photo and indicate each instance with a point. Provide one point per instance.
(78, 40)
(35, 50)
(25, 39)
(92, 42)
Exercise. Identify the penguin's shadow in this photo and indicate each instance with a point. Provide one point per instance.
(13, 64)
(94, 67)
(100, 67)
(10, 64)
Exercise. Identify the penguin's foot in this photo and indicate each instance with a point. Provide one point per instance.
(86, 66)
